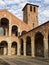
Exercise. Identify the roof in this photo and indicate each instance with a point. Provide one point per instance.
(15, 20)
(36, 28)
(29, 4)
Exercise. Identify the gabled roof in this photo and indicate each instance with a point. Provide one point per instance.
(36, 28)
(16, 20)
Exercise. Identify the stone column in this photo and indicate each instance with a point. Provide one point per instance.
(46, 44)
(9, 48)
(45, 48)
(32, 47)
(24, 47)
(18, 49)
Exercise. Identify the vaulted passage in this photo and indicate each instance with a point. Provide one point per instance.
(14, 48)
(39, 45)
(14, 30)
(21, 51)
(3, 48)
(28, 46)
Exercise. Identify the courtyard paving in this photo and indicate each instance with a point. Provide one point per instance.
(14, 60)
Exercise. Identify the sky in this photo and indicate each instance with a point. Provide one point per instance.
(16, 6)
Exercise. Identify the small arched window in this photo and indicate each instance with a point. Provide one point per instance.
(15, 30)
(30, 8)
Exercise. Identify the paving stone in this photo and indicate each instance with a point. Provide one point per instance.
(21, 61)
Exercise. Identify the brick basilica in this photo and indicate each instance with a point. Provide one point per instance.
(27, 37)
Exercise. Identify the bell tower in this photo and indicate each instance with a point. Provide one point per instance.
(30, 15)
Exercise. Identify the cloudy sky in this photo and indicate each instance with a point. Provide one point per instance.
(16, 6)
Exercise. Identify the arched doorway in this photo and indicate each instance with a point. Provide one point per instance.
(28, 46)
(14, 30)
(14, 48)
(3, 48)
(39, 44)
(21, 51)
(5, 25)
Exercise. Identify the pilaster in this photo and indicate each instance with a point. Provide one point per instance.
(32, 47)
(24, 46)
(18, 49)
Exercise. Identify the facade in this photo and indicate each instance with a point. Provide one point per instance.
(25, 37)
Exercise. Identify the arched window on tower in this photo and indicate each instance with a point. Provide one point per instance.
(30, 8)
(34, 9)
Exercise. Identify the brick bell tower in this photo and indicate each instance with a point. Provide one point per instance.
(30, 15)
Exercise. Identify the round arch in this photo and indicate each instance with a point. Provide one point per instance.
(23, 32)
(4, 43)
(15, 30)
(5, 24)
(39, 44)
(14, 48)
(4, 48)
(28, 45)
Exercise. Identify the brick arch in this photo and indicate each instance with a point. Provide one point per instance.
(4, 47)
(39, 32)
(5, 43)
(15, 30)
(4, 22)
(39, 44)
(14, 48)
(23, 32)
(14, 25)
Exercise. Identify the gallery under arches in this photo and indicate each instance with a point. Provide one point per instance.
(39, 45)
(5, 25)
(3, 48)
(28, 45)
